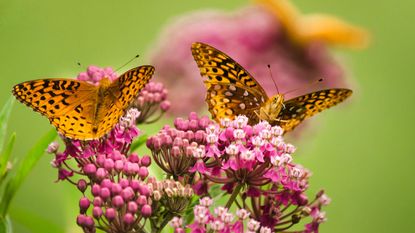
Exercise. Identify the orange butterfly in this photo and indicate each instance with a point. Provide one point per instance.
(80, 110)
(232, 91)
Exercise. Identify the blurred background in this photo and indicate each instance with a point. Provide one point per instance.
(358, 152)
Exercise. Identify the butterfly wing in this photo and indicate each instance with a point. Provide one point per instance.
(231, 90)
(67, 103)
(119, 96)
(302, 107)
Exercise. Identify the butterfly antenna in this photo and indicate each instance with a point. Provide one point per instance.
(270, 73)
(311, 84)
(132, 59)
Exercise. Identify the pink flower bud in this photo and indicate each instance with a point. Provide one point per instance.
(101, 173)
(119, 165)
(101, 159)
(146, 211)
(145, 161)
(106, 183)
(81, 220)
(53, 148)
(82, 185)
(109, 164)
(117, 201)
(135, 185)
(97, 212)
(200, 135)
(175, 151)
(127, 193)
(144, 190)
(110, 214)
(124, 183)
(97, 201)
(84, 204)
(141, 200)
(116, 189)
(95, 190)
(165, 105)
(116, 155)
(105, 193)
(143, 172)
(132, 207)
(133, 158)
(128, 219)
(204, 122)
(90, 169)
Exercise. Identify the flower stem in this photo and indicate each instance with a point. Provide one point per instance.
(233, 196)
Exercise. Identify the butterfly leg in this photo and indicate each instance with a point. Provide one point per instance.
(281, 120)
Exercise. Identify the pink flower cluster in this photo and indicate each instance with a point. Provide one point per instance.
(220, 221)
(94, 74)
(152, 99)
(172, 148)
(252, 163)
(115, 178)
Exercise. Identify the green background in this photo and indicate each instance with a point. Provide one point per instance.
(360, 154)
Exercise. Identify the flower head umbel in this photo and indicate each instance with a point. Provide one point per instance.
(252, 163)
(116, 178)
(221, 220)
(176, 150)
(117, 196)
(294, 46)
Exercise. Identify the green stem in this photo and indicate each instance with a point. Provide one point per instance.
(233, 196)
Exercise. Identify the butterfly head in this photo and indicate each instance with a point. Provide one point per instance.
(105, 82)
(277, 101)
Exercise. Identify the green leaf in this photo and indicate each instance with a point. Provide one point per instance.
(5, 155)
(137, 143)
(23, 168)
(5, 225)
(4, 118)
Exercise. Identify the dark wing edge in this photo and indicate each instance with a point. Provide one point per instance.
(300, 108)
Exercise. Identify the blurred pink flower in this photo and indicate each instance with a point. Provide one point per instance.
(254, 37)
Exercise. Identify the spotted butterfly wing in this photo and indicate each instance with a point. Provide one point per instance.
(78, 109)
(121, 93)
(300, 108)
(231, 90)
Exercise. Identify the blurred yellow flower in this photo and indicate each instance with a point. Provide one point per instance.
(304, 29)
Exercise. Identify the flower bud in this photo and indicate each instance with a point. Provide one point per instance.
(97, 201)
(90, 169)
(95, 190)
(82, 185)
(145, 161)
(146, 211)
(53, 148)
(110, 214)
(97, 212)
(84, 204)
(117, 201)
(128, 219)
(132, 207)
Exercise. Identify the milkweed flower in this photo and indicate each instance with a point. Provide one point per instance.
(118, 195)
(113, 181)
(273, 33)
(220, 220)
(252, 163)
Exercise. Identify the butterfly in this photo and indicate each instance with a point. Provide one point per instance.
(232, 91)
(80, 110)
